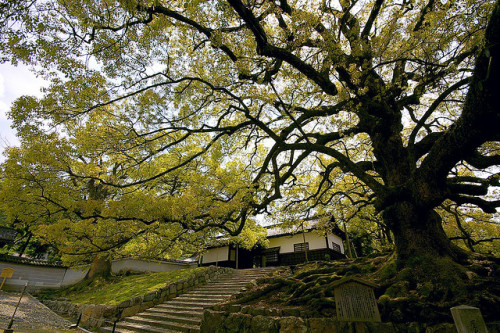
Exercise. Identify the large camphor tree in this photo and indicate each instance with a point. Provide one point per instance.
(400, 96)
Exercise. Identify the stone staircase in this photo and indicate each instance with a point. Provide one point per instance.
(183, 313)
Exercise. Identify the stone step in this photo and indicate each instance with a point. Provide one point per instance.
(184, 313)
(187, 304)
(137, 328)
(176, 318)
(203, 298)
(209, 293)
(201, 295)
(123, 330)
(166, 321)
(226, 286)
(175, 307)
(226, 290)
(156, 327)
(214, 293)
(196, 301)
(175, 312)
(242, 276)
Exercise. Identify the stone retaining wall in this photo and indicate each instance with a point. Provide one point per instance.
(93, 315)
(250, 319)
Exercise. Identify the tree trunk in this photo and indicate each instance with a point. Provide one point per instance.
(101, 266)
(25, 245)
(418, 233)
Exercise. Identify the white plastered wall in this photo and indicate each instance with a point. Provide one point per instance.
(315, 240)
(216, 254)
(336, 239)
(147, 265)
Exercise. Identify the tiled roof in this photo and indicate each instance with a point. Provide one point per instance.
(28, 261)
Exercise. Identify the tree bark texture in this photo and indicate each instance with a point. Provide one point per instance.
(418, 233)
(410, 214)
(100, 267)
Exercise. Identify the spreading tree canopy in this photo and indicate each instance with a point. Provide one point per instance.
(397, 99)
(49, 184)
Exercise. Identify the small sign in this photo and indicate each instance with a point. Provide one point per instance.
(355, 301)
(7, 272)
(468, 319)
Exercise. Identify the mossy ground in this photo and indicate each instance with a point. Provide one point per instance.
(423, 291)
(119, 288)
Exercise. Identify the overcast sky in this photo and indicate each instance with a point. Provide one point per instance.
(14, 82)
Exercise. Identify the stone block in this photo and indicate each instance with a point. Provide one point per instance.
(136, 300)
(158, 300)
(110, 311)
(322, 325)
(236, 322)
(125, 304)
(233, 308)
(173, 289)
(212, 321)
(291, 312)
(150, 296)
(263, 324)
(258, 311)
(130, 311)
(146, 305)
(86, 313)
(385, 328)
(274, 312)
(441, 328)
(72, 309)
(292, 325)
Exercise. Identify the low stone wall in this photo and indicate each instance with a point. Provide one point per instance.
(214, 321)
(93, 315)
(251, 319)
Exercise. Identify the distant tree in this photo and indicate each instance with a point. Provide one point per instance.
(50, 188)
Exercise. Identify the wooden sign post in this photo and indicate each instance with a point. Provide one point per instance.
(6, 274)
(355, 302)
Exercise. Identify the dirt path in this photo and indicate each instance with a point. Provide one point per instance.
(31, 316)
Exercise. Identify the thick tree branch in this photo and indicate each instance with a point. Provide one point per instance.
(373, 15)
(479, 161)
(480, 119)
(266, 49)
(487, 206)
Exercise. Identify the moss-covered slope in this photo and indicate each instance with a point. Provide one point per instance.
(421, 292)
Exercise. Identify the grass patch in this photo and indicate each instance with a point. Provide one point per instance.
(120, 288)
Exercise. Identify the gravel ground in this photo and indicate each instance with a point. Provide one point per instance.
(31, 316)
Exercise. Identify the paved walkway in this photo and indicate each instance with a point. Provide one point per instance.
(31, 316)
